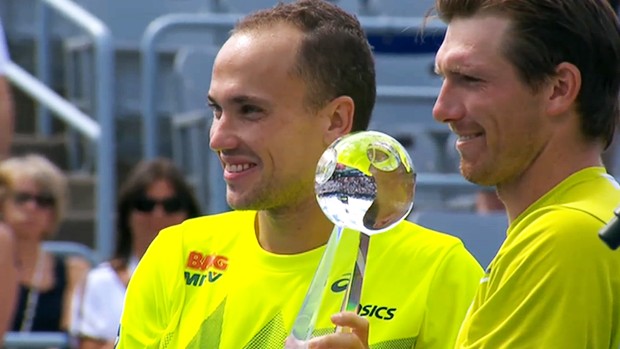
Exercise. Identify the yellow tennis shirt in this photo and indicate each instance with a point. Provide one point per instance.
(553, 283)
(208, 284)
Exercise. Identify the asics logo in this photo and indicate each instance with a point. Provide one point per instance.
(340, 285)
(368, 310)
(378, 311)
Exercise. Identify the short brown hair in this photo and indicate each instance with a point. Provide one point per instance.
(334, 57)
(545, 33)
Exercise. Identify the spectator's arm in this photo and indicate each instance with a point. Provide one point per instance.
(77, 269)
(6, 118)
(6, 102)
(8, 287)
(90, 343)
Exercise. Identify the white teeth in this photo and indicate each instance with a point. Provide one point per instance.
(237, 168)
(466, 138)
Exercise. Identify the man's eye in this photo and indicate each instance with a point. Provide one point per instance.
(217, 111)
(248, 109)
(468, 78)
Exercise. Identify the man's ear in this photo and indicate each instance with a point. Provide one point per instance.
(563, 89)
(339, 113)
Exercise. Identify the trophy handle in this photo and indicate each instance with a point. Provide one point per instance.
(353, 293)
(306, 319)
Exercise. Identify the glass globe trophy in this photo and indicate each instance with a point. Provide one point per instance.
(364, 181)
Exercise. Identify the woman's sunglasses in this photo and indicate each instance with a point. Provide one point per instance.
(146, 204)
(42, 200)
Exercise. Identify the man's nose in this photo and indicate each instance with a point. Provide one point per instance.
(222, 135)
(449, 106)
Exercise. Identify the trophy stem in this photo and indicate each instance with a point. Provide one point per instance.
(353, 294)
(306, 319)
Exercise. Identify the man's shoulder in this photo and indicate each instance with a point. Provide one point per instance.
(417, 242)
(413, 250)
(588, 194)
(411, 233)
(207, 232)
(563, 232)
(574, 219)
(576, 210)
(216, 224)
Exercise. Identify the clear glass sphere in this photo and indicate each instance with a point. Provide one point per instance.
(365, 181)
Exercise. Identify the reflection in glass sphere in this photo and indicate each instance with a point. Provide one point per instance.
(365, 181)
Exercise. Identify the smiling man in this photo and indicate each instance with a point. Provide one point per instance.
(287, 83)
(531, 90)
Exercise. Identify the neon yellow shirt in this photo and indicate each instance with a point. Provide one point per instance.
(553, 283)
(208, 284)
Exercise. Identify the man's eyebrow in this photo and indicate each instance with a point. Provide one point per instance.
(457, 69)
(239, 99)
(242, 99)
(457, 62)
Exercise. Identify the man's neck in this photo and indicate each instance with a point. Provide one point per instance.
(294, 229)
(548, 170)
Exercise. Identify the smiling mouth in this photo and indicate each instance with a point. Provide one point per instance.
(470, 137)
(238, 167)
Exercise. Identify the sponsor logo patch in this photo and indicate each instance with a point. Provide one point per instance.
(204, 267)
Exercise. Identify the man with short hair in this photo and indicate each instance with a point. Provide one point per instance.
(288, 82)
(531, 90)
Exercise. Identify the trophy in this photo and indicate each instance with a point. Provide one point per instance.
(364, 181)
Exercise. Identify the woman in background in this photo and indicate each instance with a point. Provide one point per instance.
(8, 286)
(33, 207)
(154, 196)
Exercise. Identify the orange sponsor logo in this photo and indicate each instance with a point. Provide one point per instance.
(199, 261)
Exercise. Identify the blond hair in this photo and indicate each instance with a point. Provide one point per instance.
(47, 176)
